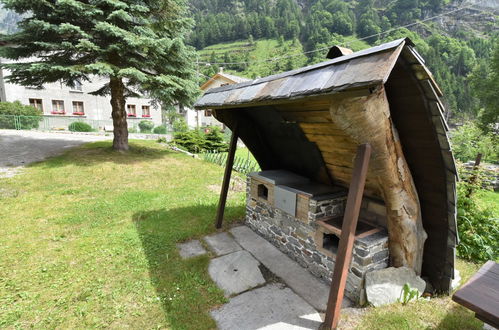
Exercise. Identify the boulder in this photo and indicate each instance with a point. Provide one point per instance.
(384, 286)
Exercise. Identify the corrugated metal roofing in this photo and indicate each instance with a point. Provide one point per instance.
(363, 68)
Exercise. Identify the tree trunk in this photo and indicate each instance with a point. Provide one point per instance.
(120, 128)
(367, 120)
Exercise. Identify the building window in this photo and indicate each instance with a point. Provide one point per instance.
(77, 86)
(131, 110)
(36, 103)
(78, 108)
(207, 113)
(58, 107)
(146, 111)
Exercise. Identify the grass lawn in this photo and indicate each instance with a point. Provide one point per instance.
(490, 199)
(88, 240)
(437, 313)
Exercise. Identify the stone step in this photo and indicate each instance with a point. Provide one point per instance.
(272, 307)
(295, 276)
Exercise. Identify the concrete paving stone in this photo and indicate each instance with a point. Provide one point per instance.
(270, 307)
(190, 249)
(222, 243)
(236, 272)
(295, 276)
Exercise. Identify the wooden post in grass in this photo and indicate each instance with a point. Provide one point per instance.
(474, 174)
(226, 180)
(347, 238)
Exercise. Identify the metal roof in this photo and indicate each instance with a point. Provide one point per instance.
(363, 68)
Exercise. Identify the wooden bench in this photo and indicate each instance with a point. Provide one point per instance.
(481, 294)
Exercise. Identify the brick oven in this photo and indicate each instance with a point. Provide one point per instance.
(303, 219)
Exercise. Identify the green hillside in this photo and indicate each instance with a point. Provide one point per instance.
(456, 39)
(264, 57)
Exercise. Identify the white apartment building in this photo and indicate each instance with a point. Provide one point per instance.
(203, 118)
(60, 102)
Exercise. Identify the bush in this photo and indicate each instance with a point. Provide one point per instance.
(132, 130)
(159, 130)
(29, 117)
(180, 125)
(146, 126)
(193, 141)
(468, 140)
(214, 140)
(477, 227)
(79, 126)
(197, 141)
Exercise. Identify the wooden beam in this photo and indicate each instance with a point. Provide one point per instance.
(227, 173)
(347, 238)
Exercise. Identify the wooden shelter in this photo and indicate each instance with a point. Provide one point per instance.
(310, 121)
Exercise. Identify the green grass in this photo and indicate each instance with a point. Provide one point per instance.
(88, 240)
(436, 313)
(260, 50)
(264, 49)
(491, 200)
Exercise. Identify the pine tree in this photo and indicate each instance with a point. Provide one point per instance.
(136, 45)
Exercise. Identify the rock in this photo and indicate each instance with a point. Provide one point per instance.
(236, 272)
(270, 307)
(190, 249)
(456, 281)
(221, 244)
(384, 286)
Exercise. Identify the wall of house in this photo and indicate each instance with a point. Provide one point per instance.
(200, 118)
(95, 107)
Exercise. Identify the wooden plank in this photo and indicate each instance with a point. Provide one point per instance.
(226, 179)
(321, 116)
(321, 128)
(344, 254)
(321, 104)
(481, 294)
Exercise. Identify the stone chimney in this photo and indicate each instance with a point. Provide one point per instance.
(221, 69)
(337, 51)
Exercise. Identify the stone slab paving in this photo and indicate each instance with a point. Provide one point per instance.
(191, 249)
(236, 272)
(222, 243)
(295, 276)
(270, 307)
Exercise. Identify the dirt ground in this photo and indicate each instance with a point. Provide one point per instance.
(20, 148)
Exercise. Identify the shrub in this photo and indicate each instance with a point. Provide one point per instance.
(477, 227)
(214, 140)
(146, 126)
(132, 130)
(159, 130)
(192, 141)
(79, 126)
(468, 140)
(196, 141)
(29, 117)
(180, 125)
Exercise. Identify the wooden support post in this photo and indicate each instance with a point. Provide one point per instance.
(474, 174)
(226, 180)
(344, 255)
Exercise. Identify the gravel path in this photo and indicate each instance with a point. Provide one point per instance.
(20, 148)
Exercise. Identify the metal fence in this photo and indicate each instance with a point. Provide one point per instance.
(54, 123)
(242, 165)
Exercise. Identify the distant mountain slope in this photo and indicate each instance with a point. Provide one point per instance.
(459, 39)
(247, 33)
